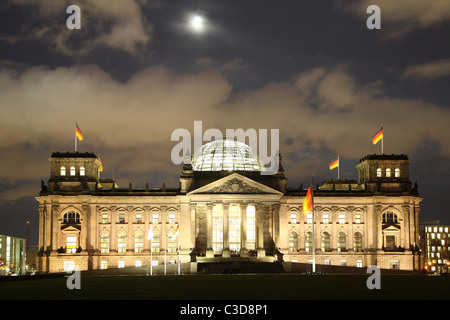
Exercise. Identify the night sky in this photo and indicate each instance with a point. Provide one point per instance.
(138, 70)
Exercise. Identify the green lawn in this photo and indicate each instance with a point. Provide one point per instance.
(229, 287)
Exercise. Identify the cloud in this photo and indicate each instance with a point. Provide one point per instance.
(428, 71)
(401, 17)
(321, 112)
(117, 24)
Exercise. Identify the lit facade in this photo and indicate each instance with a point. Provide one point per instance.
(12, 255)
(226, 209)
(435, 243)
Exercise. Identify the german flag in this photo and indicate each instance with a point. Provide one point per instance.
(378, 136)
(334, 164)
(79, 134)
(307, 203)
(101, 165)
(175, 235)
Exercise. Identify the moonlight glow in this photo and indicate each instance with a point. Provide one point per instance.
(197, 23)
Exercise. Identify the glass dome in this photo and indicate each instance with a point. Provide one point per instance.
(226, 155)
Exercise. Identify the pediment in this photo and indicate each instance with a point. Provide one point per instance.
(235, 184)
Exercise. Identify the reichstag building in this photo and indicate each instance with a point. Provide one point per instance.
(224, 209)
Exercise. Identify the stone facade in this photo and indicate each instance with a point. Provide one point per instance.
(91, 223)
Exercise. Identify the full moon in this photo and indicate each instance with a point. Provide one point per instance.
(197, 23)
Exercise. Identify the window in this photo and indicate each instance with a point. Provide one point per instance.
(357, 218)
(121, 264)
(341, 218)
(71, 244)
(121, 217)
(171, 243)
(122, 242)
(138, 241)
(390, 242)
(309, 218)
(71, 217)
(388, 172)
(308, 242)
(378, 172)
(325, 243)
(343, 263)
(293, 241)
(357, 242)
(325, 218)
(389, 217)
(293, 218)
(397, 172)
(138, 217)
(63, 171)
(103, 265)
(359, 263)
(104, 242)
(82, 171)
(155, 218)
(251, 228)
(138, 263)
(341, 241)
(105, 218)
(172, 218)
(69, 266)
(156, 242)
(234, 231)
(72, 171)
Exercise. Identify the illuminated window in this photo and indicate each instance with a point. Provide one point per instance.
(71, 244)
(122, 242)
(155, 218)
(156, 242)
(138, 263)
(138, 241)
(379, 172)
(104, 242)
(357, 218)
(325, 242)
(122, 217)
(121, 264)
(103, 265)
(251, 228)
(397, 172)
(69, 266)
(359, 263)
(390, 218)
(388, 172)
(308, 242)
(293, 218)
(309, 218)
(171, 243)
(63, 171)
(82, 171)
(325, 218)
(357, 242)
(234, 231)
(217, 229)
(341, 218)
(341, 241)
(72, 171)
(172, 218)
(105, 218)
(138, 217)
(293, 241)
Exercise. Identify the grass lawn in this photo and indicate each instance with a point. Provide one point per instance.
(228, 287)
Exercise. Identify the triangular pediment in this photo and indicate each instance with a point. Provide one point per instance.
(235, 184)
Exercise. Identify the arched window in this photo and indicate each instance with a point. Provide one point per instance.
(397, 172)
(293, 241)
(122, 242)
(341, 241)
(104, 242)
(379, 173)
(325, 243)
(388, 172)
(138, 241)
(71, 217)
(308, 242)
(82, 171)
(389, 218)
(171, 243)
(72, 171)
(156, 241)
(357, 242)
(62, 171)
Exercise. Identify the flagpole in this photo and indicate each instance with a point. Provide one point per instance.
(313, 228)
(165, 254)
(151, 256)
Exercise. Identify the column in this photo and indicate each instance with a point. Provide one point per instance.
(260, 231)
(244, 250)
(209, 249)
(276, 225)
(226, 235)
